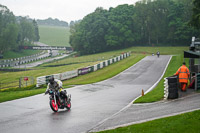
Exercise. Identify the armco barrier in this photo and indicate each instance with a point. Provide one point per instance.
(71, 74)
(86, 70)
(41, 81)
(83, 71)
(68, 75)
(61, 76)
(95, 67)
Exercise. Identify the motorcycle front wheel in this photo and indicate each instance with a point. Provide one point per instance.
(68, 104)
(53, 105)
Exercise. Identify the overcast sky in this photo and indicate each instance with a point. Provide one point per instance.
(65, 10)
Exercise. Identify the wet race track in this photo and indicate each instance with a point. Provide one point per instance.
(91, 104)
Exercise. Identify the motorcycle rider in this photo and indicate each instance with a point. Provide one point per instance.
(55, 84)
(158, 54)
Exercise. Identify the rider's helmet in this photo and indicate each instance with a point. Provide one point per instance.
(51, 80)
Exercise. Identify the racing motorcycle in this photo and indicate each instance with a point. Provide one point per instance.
(59, 101)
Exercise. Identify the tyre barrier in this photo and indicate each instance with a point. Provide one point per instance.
(15, 63)
(12, 62)
(71, 74)
(171, 87)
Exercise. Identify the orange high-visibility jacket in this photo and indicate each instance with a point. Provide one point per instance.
(183, 73)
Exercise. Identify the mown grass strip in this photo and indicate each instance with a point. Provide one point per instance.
(184, 123)
(12, 95)
(22, 53)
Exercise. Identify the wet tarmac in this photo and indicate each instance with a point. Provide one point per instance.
(139, 113)
(91, 104)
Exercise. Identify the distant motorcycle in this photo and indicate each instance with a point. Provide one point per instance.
(58, 101)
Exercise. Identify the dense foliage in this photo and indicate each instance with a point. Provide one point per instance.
(196, 14)
(147, 23)
(15, 31)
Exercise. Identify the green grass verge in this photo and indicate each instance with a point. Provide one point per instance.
(158, 92)
(54, 35)
(184, 123)
(16, 93)
(22, 53)
(106, 72)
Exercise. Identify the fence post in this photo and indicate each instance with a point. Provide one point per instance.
(19, 82)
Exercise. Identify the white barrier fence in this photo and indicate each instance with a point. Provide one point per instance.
(166, 92)
(71, 74)
(22, 60)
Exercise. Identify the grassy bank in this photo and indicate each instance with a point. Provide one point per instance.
(12, 95)
(22, 53)
(67, 64)
(184, 123)
(106, 72)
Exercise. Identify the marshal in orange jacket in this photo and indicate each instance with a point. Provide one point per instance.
(183, 73)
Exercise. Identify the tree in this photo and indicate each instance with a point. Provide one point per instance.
(35, 25)
(27, 32)
(196, 14)
(180, 32)
(121, 30)
(147, 23)
(8, 30)
(88, 36)
(15, 31)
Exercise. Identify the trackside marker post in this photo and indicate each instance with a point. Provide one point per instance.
(142, 92)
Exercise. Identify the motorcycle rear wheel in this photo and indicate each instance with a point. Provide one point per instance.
(53, 106)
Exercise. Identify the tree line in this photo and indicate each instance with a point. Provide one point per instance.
(146, 23)
(15, 31)
(56, 22)
(52, 22)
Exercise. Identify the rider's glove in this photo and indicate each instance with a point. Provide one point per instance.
(46, 92)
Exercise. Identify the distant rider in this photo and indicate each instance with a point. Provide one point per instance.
(158, 54)
(55, 84)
